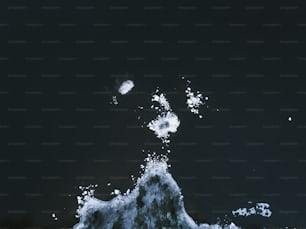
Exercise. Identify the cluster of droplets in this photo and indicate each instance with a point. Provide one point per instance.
(88, 192)
(194, 100)
(162, 101)
(153, 160)
(259, 209)
(54, 217)
(166, 122)
(114, 100)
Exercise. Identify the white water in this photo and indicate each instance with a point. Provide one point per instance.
(155, 202)
(262, 209)
(166, 122)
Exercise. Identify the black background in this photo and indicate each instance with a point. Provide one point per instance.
(61, 62)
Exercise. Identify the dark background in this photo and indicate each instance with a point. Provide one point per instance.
(61, 62)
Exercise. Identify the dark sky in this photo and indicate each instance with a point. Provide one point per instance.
(61, 62)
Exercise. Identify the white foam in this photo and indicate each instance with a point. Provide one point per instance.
(161, 99)
(262, 209)
(167, 121)
(126, 87)
(164, 124)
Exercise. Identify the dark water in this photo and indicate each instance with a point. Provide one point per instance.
(61, 62)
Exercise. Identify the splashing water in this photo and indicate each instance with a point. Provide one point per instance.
(260, 209)
(87, 193)
(161, 99)
(166, 122)
(163, 125)
(155, 202)
(194, 100)
(126, 87)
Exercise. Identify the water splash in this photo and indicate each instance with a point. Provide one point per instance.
(194, 100)
(87, 194)
(262, 209)
(166, 122)
(163, 125)
(163, 102)
(155, 202)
